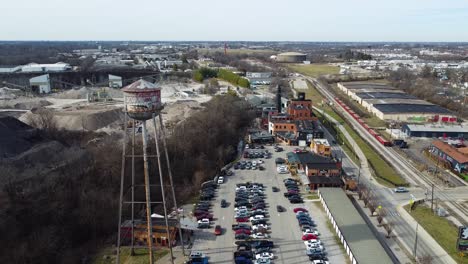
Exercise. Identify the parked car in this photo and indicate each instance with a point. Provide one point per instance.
(241, 236)
(257, 217)
(299, 209)
(282, 169)
(204, 216)
(310, 231)
(267, 255)
(257, 222)
(309, 237)
(260, 236)
(275, 189)
(242, 220)
(218, 231)
(203, 223)
(296, 200)
(259, 226)
(241, 226)
(242, 231)
(262, 243)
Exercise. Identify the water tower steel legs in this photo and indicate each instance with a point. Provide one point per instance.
(163, 132)
(149, 222)
(121, 189)
(158, 154)
(132, 249)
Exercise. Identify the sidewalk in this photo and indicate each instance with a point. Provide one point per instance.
(439, 252)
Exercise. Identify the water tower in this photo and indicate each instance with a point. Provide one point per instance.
(142, 103)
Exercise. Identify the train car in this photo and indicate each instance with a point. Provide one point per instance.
(360, 121)
(373, 133)
(355, 116)
(366, 126)
(383, 141)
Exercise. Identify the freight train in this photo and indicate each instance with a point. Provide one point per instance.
(373, 133)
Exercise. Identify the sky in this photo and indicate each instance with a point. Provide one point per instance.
(239, 20)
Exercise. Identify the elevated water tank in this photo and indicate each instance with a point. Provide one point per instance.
(142, 100)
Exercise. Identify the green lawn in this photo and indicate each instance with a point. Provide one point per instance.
(141, 256)
(314, 70)
(312, 196)
(443, 231)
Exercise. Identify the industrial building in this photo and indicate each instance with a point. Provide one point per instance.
(452, 156)
(256, 78)
(291, 57)
(56, 67)
(435, 131)
(389, 103)
(40, 84)
(115, 81)
(320, 146)
(319, 171)
(360, 243)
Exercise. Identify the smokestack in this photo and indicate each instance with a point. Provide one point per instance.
(278, 98)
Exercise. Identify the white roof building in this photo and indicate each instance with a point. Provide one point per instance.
(34, 67)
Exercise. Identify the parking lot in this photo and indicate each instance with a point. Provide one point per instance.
(285, 231)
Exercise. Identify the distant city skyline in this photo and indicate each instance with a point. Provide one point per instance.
(242, 20)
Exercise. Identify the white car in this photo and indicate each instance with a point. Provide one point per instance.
(240, 208)
(265, 255)
(313, 241)
(319, 261)
(254, 163)
(204, 221)
(262, 261)
(260, 235)
(314, 246)
(257, 217)
(259, 211)
(242, 188)
(260, 161)
(312, 232)
(221, 180)
(259, 226)
(282, 169)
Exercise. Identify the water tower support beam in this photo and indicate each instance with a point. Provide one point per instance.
(149, 222)
(163, 133)
(156, 137)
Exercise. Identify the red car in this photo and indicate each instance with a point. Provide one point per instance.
(299, 210)
(293, 191)
(242, 220)
(242, 231)
(218, 230)
(309, 237)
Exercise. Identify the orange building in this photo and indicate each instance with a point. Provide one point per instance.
(320, 146)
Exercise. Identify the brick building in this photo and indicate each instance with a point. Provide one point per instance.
(453, 156)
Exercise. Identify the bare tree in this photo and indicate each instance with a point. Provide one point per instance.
(372, 207)
(44, 119)
(389, 228)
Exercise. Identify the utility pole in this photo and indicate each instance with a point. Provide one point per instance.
(416, 242)
(432, 199)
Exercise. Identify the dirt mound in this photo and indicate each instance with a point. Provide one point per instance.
(16, 137)
(23, 103)
(82, 118)
(81, 93)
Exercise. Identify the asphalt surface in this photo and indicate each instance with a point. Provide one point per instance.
(284, 230)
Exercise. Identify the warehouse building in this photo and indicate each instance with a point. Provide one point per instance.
(40, 84)
(389, 103)
(360, 243)
(291, 57)
(454, 157)
(435, 131)
(413, 112)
